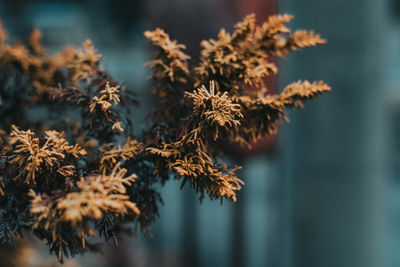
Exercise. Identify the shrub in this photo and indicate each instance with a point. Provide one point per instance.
(71, 165)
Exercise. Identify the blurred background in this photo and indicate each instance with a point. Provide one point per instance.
(325, 192)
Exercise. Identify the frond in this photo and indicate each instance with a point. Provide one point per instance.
(110, 157)
(95, 197)
(84, 63)
(105, 98)
(215, 108)
(294, 94)
(33, 158)
(244, 30)
(275, 25)
(300, 39)
(169, 62)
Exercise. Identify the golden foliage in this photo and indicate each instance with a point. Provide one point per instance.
(110, 157)
(82, 188)
(80, 99)
(233, 61)
(84, 63)
(103, 103)
(300, 39)
(225, 111)
(57, 141)
(275, 25)
(294, 94)
(218, 181)
(263, 113)
(117, 126)
(96, 196)
(41, 67)
(1, 186)
(108, 95)
(33, 158)
(276, 39)
(170, 62)
(188, 159)
(33, 60)
(215, 108)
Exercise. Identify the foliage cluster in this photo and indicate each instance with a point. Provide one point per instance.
(71, 165)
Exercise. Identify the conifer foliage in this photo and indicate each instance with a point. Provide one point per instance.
(72, 167)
